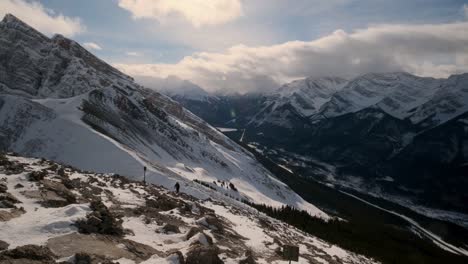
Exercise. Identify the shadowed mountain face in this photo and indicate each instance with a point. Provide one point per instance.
(59, 101)
(391, 133)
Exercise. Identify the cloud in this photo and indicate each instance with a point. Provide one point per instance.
(465, 10)
(92, 45)
(197, 12)
(427, 50)
(133, 53)
(41, 18)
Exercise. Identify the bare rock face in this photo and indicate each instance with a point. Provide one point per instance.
(199, 254)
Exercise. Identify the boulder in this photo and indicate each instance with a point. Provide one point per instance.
(199, 254)
(211, 222)
(3, 245)
(3, 188)
(162, 203)
(170, 228)
(7, 200)
(37, 175)
(248, 259)
(193, 231)
(60, 190)
(176, 257)
(100, 221)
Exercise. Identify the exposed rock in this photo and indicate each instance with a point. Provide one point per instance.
(202, 239)
(162, 203)
(99, 245)
(211, 222)
(52, 199)
(170, 228)
(37, 175)
(7, 200)
(29, 252)
(14, 168)
(176, 257)
(3, 188)
(84, 258)
(249, 259)
(60, 190)
(100, 221)
(193, 231)
(19, 185)
(199, 254)
(8, 215)
(140, 251)
(3, 245)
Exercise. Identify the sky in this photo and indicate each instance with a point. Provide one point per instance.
(249, 45)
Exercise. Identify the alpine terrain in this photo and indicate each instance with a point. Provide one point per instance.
(60, 102)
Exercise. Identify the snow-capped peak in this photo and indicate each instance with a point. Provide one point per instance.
(395, 93)
(178, 88)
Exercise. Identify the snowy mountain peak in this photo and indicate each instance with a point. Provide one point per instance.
(298, 99)
(179, 89)
(44, 67)
(11, 22)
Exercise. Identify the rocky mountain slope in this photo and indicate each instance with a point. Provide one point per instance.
(53, 213)
(387, 133)
(59, 101)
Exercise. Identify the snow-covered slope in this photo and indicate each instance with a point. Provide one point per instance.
(395, 93)
(52, 212)
(60, 102)
(450, 101)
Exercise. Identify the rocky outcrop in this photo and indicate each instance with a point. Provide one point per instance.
(200, 254)
(100, 221)
(28, 253)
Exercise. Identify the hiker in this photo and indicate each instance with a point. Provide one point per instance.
(177, 187)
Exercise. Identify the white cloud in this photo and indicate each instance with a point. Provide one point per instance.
(428, 50)
(197, 12)
(133, 54)
(465, 10)
(92, 45)
(41, 18)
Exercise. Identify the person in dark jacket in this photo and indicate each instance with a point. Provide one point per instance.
(177, 187)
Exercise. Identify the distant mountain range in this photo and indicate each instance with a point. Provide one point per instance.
(383, 133)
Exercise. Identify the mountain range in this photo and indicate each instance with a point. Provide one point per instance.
(388, 134)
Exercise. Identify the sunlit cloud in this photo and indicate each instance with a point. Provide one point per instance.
(133, 54)
(198, 12)
(41, 18)
(428, 50)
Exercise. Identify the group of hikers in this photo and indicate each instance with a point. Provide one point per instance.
(223, 184)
